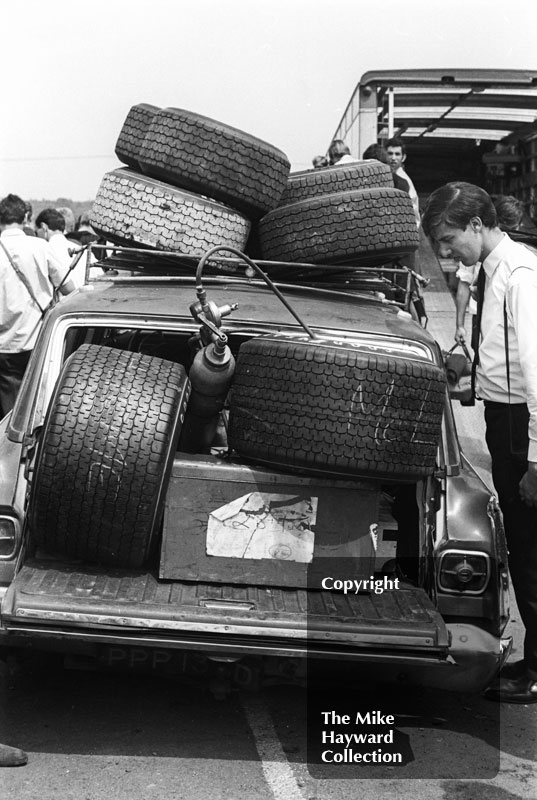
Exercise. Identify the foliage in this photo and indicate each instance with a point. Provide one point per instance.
(78, 206)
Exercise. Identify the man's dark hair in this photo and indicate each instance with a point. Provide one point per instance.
(320, 161)
(509, 211)
(52, 218)
(455, 204)
(376, 151)
(396, 142)
(12, 210)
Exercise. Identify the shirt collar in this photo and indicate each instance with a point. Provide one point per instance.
(498, 254)
(7, 232)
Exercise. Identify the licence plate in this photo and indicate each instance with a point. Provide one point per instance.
(245, 673)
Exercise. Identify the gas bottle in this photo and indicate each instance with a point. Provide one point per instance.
(210, 376)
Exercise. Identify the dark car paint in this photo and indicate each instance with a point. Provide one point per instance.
(467, 498)
(257, 303)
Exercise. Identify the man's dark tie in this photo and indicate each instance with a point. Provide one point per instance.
(480, 292)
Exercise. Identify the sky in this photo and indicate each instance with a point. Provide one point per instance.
(281, 70)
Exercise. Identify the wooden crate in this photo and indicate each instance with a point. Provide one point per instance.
(226, 522)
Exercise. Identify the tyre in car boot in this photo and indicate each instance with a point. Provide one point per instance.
(322, 406)
(104, 455)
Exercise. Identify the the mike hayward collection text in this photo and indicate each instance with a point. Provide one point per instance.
(355, 744)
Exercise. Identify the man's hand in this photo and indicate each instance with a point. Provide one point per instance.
(528, 485)
(460, 334)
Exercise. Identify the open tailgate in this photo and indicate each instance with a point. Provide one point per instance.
(57, 600)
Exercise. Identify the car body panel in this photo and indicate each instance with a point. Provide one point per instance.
(45, 600)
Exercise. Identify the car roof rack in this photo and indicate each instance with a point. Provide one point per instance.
(392, 281)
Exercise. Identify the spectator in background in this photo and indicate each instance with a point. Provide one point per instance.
(83, 232)
(29, 272)
(509, 210)
(28, 226)
(379, 153)
(50, 225)
(375, 151)
(339, 153)
(69, 218)
(319, 162)
(396, 151)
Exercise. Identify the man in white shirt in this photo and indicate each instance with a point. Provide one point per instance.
(461, 220)
(509, 213)
(396, 151)
(29, 272)
(50, 225)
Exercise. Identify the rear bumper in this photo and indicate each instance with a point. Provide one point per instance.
(476, 655)
(471, 664)
(229, 645)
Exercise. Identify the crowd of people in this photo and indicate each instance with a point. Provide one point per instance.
(39, 262)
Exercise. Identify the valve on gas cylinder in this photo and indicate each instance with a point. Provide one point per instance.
(212, 370)
(210, 375)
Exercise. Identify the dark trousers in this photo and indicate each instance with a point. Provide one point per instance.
(12, 368)
(507, 441)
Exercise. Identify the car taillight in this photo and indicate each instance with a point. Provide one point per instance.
(7, 536)
(463, 571)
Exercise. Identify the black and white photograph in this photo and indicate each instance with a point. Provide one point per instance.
(268, 400)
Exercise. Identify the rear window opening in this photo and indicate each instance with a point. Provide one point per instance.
(397, 532)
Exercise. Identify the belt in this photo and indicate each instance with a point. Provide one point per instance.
(499, 406)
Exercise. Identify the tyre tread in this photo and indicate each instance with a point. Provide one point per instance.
(343, 178)
(133, 132)
(369, 224)
(133, 209)
(323, 407)
(103, 455)
(209, 158)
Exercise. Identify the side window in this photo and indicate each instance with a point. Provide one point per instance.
(75, 337)
(66, 339)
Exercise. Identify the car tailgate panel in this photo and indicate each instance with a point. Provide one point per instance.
(55, 595)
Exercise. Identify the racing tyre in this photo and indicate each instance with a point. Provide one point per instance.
(343, 178)
(133, 132)
(366, 226)
(105, 454)
(323, 406)
(133, 209)
(213, 159)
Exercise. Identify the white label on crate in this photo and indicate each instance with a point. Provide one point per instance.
(264, 526)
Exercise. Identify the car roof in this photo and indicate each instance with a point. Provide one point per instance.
(170, 298)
